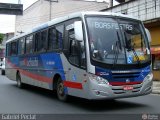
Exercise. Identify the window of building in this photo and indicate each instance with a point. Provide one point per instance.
(29, 44)
(21, 46)
(156, 61)
(125, 11)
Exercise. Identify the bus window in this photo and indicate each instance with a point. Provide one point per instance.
(53, 41)
(13, 49)
(59, 36)
(21, 46)
(82, 53)
(55, 37)
(37, 39)
(29, 42)
(8, 47)
(74, 48)
(43, 41)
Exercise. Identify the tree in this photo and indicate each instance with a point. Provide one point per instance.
(1, 38)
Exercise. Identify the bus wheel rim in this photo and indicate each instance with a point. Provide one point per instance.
(18, 82)
(61, 89)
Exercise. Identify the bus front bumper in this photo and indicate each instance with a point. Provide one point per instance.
(102, 91)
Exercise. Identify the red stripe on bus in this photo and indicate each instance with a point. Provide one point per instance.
(73, 84)
(31, 75)
(36, 77)
(123, 83)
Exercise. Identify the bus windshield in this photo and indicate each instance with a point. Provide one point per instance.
(115, 40)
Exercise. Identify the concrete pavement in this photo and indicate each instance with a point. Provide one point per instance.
(156, 87)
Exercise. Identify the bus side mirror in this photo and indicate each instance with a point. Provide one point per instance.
(148, 35)
(78, 31)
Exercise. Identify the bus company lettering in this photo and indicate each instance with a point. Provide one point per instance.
(32, 62)
(106, 25)
(50, 63)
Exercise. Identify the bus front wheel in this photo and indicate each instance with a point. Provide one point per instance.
(19, 82)
(60, 90)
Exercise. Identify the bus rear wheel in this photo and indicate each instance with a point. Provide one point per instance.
(19, 82)
(2, 72)
(60, 91)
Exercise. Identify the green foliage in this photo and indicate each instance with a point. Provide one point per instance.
(1, 38)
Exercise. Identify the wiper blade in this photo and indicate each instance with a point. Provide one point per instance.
(116, 51)
(115, 55)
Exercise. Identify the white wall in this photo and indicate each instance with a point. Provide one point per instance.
(38, 13)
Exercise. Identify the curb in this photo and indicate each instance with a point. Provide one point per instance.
(156, 92)
(156, 87)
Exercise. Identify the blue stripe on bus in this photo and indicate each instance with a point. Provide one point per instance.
(133, 77)
(48, 65)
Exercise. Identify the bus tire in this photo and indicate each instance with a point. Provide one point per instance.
(2, 72)
(60, 90)
(19, 82)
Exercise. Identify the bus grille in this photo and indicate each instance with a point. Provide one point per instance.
(120, 90)
(117, 75)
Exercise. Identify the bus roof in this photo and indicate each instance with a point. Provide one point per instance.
(70, 16)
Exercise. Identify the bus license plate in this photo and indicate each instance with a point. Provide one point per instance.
(127, 88)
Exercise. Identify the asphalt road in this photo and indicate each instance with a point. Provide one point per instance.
(41, 101)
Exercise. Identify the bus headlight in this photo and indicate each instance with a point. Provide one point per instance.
(98, 79)
(149, 77)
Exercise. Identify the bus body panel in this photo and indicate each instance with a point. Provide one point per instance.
(141, 85)
(77, 82)
(37, 70)
(40, 69)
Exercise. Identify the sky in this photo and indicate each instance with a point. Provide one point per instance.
(7, 22)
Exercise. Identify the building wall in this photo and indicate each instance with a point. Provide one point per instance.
(146, 10)
(3, 45)
(149, 12)
(7, 36)
(155, 35)
(142, 9)
(39, 12)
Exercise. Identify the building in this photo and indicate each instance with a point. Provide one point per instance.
(44, 10)
(149, 12)
(2, 46)
(7, 36)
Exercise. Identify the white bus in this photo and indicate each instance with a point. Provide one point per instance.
(92, 55)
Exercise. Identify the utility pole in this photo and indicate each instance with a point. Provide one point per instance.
(111, 3)
(50, 7)
(19, 1)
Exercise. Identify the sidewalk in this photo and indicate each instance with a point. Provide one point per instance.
(156, 87)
